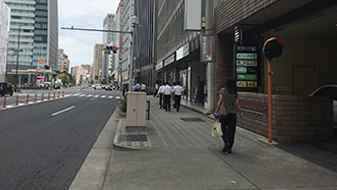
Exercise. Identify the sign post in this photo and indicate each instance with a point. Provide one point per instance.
(272, 50)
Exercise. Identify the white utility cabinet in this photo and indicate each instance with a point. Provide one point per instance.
(136, 109)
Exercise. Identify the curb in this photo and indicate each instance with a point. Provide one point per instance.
(132, 145)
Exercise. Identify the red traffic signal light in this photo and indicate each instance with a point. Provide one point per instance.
(114, 49)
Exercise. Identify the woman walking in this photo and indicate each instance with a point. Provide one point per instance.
(229, 97)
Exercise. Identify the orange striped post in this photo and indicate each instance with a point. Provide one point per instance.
(17, 100)
(54, 96)
(27, 98)
(35, 97)
(48, 95)
(42, 97)
(58, 94)
(4, 102)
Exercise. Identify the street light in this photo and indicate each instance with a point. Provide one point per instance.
(134, 22)
(17, 50)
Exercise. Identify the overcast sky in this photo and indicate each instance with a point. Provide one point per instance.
(79, 45)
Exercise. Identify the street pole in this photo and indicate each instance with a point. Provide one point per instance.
(131, 60)
(134, 22)
(17, 61)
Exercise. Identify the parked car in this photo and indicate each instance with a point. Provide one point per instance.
(328, 90)
(6, 88)
(103, 87)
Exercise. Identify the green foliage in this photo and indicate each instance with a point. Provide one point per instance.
(122, 104)
(66, 77)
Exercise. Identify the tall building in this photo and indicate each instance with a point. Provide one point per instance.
(107, 25)
(144, 43)
(33, 28)
(4, 26)
(97, 64)
(118, 41)
(62, 62)
(128, 11)
(107, 41)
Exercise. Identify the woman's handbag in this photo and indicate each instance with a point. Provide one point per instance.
(221, 113)
(216, 129)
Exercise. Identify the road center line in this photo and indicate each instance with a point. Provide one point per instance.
(62, 111)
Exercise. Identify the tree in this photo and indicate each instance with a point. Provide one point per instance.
(66, 77)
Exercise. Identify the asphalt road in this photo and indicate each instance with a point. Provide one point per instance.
(43, 145)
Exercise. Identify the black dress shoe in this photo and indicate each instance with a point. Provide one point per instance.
(229, 151)
(226, 147)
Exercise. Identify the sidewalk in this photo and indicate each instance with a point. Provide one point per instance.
(178, 152)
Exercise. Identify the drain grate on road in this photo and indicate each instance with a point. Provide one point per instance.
(192, 119)
(135, 129)
(132, 138)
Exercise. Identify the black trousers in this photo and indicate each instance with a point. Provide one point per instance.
(228, 126)
(167, 103)
(161, 100)
(177, 99)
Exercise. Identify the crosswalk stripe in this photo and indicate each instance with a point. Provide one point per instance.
(103, 96)
(110, 97)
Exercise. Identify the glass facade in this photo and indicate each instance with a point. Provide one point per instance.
(33, 28)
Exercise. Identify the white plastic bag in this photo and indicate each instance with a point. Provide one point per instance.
(216, 129)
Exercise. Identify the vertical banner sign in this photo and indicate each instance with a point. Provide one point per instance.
(246, 70)
(207, 49)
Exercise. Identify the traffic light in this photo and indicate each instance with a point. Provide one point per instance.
(114, 49)
(111, 48)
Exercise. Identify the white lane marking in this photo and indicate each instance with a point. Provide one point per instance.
(89, 95)
(110, 97)
(76, 94)
(104, 96)
(81, 95)
(117, 97)
(62, 111)
(96, 96)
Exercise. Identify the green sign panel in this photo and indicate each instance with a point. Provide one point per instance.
(246, 77)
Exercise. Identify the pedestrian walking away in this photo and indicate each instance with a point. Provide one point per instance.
(156, 87)
(177, 92)
(229, 97)
(160, 94)
(167, 97)
(173, 86)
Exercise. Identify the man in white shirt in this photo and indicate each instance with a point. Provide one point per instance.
(177, 92)
(167, 96)
(160, 94)
(143, 87)
(156, 87)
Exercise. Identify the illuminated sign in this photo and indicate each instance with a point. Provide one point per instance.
(246, 84)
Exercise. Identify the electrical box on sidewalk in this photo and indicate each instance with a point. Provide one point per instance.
(136, 109)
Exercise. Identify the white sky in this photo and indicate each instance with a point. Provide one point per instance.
(79, 45)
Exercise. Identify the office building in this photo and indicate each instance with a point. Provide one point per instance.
(34, 29)
(4, 27)
(97, 64)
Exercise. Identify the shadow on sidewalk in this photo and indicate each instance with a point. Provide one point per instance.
(320, 153)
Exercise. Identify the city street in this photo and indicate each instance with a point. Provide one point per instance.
(43, 144)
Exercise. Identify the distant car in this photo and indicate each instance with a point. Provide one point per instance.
(328, 90)
(108, 87)
(103, 87)
(6, 88)
(98, 87)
